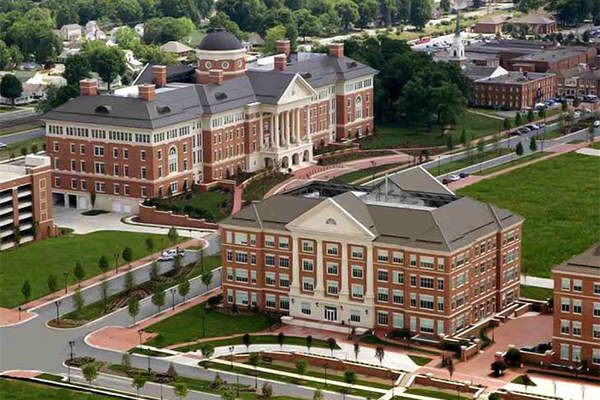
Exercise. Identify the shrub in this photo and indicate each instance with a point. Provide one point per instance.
(513, 357)
(498, 367)
(267, 390)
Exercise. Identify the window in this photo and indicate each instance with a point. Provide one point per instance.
(159, 155)
(115, 153)
(382, 318)
(270, 260)
(427, 283)
(308, 284)
(284, 280)
(565, 305)
(358, 109)
(413, 280)
(332, 288)
(72, 148)
(143, 155)
(398, 277)
(116, 188)
(382, 275)
(596, 309)
(398, 257)
(253, 278)
(82, 149)
(357, 291)
(173, 160)
(308, 265)
(413, 260)
(55, 146)
(577, 285)
(413, 300)
(305, 308)
(241, 275)
(284, 243)
(252, 239)
(73, 183)
(398, 321)
(270, 241)
(307, 246)
(576, 355)
(355, 317)
(284, 262)
(440, 304)
(357, 252)
(596, 331)
(565, 284)
(398, 297)
(332, 268)
(564, 351)
(229, 274)
(126, 154)
(270, 278)
(426, 325)
(357, 272)
(427, 262)
(241, 257)
(426, 302)
(565, 327)
(576, 306)
(270, 301)
(596, 356)
(253, 259)
(382, 295)
(382, 255)
(576, 328)
(100, 186)
(597, 288)
(440, 284)
(229, 296)
(332, 249)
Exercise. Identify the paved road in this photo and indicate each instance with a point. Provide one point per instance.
(18, 114)
(20, 137)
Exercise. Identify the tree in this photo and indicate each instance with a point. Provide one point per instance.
(532, 145)
(480, 147)
(348, 12)
(498, 367)
(350, 377)
(309, 341)
(368, 11)
(332, 344)
(79, 302)
(518, 118)
(129, 282)
(180, 389)
(228, 394)
(108, 63)
(513, 357)
(301, 368)
(307, 23)
(52, 283)
(281, 339)
(172, 372)
(11, 88)
(158, 298)
(138, 383)
(450, 366)
(379, 354)
(542, 113)
(77, 67)
(530, 116)
(126, 361)
(184, 288)
(519, 149)
(154, 271)
(246, 340)
(150, 246)
(254, 360)
(133, 307)
(208, 350)
(79, 272)
(463, 138)
(507, 124)
(26, 290)
(173, 235)
(318, 395)
(356, 350)
(127, 254)
(267, 390)
(104, 289)
(103, 264)
(90, 372)
(207, 278)
(420, 13)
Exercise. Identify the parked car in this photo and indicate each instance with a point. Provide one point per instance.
(539, 106)
(453, 178)
(576, 114)
(597, 124)
(173, 252)
(523, 131)
(515, 133)
(532, 127)
(165, 257)
(3, 145)
(463, 175)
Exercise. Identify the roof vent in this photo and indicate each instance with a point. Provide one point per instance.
(221, 96)
(163, 109)
(103, 109)
(306, 75)
(351, 64)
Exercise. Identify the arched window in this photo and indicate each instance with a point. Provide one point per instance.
(358, 107)
(173, 160)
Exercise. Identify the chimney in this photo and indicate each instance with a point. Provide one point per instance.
(280, 63)
(336, 50)
(88, 87)
(216, 76)
(159, 73)
(146, 92)
(282, 46)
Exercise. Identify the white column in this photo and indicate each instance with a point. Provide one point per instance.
(295, 284)
(369, 271)
(297, 125)
(344, 289)
(275, 132)
(287, 127)
(319, 287)
(260, 133)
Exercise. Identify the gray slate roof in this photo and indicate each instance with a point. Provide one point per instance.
(322, 69)
(446, 228)
(587, 262)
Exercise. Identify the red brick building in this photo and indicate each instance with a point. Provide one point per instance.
(407, 254)
(513, 90)
(179, 125)
(576, 339)
(26, 211)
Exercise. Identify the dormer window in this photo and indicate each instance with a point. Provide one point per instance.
(103, 109)
(331, 221)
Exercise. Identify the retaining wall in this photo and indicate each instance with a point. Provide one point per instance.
(151, 215)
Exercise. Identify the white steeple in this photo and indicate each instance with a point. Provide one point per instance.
(457, 51)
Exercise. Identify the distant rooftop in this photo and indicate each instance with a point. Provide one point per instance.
(22, 166)
(515, 78)
(587, 262)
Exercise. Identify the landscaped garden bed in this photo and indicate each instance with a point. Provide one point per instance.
(259, 339)
(259, 186)
(211, 206)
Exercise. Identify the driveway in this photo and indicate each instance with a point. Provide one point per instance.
(82, 224)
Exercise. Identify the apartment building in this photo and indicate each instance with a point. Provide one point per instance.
(576, 83)
(576, 338)
(513, 90)
(178, 125)
(407, 253)
(26, 211)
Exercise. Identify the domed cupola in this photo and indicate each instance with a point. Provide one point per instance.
(220, 50)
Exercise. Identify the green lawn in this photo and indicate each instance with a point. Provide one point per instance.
(436, 394)
(187, 325)
(476, 158)
(210, 202)
(536, 293)
(372, 339)
(212, 206)
(259, 339)
(16, 390)
(596, 145)
(351, 177)
(14, 148)
(522, 380)
(420, 361)
(560, 201)
(258, 187)
(388, 136)
(509, 164)
(37, 260)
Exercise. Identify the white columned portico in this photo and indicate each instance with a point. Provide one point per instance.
(275, 134)
(297, 125)
(261, 133)
(287, 128)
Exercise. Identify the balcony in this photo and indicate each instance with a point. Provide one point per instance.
(6, 210)
(25, 204)
(5, 198)
(23, 193)
(6, 221)
(25, 215)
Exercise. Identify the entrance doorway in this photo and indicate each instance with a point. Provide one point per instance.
(72, 201)
(330, 314)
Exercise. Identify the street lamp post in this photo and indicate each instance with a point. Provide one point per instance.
(71, 344)
(66, 275)
(173, 297)
(231, 348)
(203, 326)
(325, 367)
(57, 304)
(19, 312)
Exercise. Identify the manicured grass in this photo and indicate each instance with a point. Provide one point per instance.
(389, 136)
(536, 293)
(596, 145)
(476, 158)
(560, 201)
(372, 339)
(258, 187)
(348, 157)
(522, 380)
(37, 260)
(187, 325)
(16, 390)
(420, 361)
(210, 202)
(15, 147)
(148, 352)
(354, 176)
(509, 164)
(435, 394)
(260, 339)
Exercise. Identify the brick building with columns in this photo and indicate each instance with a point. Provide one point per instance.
(405, 254)
(178, 125)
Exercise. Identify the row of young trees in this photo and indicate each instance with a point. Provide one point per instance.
(567, 12)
